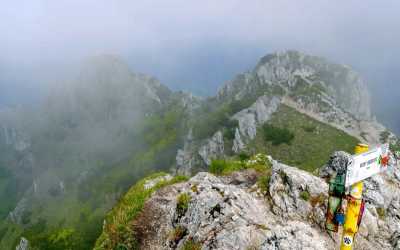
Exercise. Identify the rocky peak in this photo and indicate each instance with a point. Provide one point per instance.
(106, 88)
(232, 212)
(295, 73)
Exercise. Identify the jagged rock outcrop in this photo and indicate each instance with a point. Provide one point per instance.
(213, 148)
(328, 92)
(250, 118)
(186, 158)
(295, 72)
(16, 215)
(230, 212)
(23, 244)
(331, 93)
(238, 143)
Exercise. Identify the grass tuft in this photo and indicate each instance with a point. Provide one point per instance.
(191, 245)
(305, 195)
(263, 183)
(116, 230)
(306, 150)
(182, 204)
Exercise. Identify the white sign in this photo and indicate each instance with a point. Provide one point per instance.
(367, 164)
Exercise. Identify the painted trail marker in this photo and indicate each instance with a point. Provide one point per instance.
(367, 164)
(345, 191)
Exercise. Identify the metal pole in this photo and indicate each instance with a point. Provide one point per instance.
(354, 204)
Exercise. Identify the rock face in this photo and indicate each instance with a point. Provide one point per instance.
(249, 119)
(213, 148)
(328, 92)
(292, 71)
(16, 215)
(231, 212)
(23, 244)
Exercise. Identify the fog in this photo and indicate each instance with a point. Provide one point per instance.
(195, 46)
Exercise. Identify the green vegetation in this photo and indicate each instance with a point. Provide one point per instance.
(215, 114)
(141, 148)
(263, 182)
(212, 119)
(218, 166)
(191, 245)
(8, 192)
(277, 135)
(58, 239)
(306, 150)
(243, 156)
(259, 162)
(309, 128)
(305, 195)
(310, 93)
(117, 228)
(182, 204)
(395, 147)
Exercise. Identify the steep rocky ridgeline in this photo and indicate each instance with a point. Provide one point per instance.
(283, 208)
(327, 92)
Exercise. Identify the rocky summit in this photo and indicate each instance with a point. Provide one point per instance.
(238, 212)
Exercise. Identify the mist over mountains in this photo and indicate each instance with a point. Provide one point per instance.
(67, 161)
(103, 104)
(194, 46)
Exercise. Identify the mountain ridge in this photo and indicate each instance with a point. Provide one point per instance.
(111, 127)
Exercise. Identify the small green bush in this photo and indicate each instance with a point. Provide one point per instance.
(218, 166)
(305, 195)
(183, 203)
(277, 135)
(309, 128)
(258, 162)
(230, 129)
(117, 230)
(263, 182)
(243, 156)
(191, 245)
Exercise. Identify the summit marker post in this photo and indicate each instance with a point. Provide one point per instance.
(347, 188)
(354, 203)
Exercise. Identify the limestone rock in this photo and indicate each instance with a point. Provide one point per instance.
(238, 144)
(16, 215)
(213, 148)
(229, 212)
(337, 164)
(23, 244)
(257, 114)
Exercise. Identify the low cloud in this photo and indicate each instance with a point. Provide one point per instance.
(194, 45)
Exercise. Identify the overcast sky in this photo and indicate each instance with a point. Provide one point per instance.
(195, 45)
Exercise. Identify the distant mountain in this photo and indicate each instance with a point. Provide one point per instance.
(66, 162)
(287, 82)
